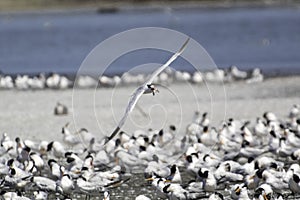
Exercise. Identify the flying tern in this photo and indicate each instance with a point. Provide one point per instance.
(146, 88)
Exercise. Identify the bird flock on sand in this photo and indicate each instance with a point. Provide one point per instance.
(60, 82)
(235, 160)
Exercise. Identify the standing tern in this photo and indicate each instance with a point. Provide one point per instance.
(146, 88)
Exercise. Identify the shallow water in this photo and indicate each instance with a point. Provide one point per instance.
(247, 37)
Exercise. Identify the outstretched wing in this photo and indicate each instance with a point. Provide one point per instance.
(132, 102)
(139, 92)
(160, 69)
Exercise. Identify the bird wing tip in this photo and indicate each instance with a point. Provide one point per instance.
(112, 135)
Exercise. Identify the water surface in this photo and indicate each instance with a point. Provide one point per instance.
(268, 38)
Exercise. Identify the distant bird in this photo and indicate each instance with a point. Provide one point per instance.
(6, 82)
(236, 73)
(197, 77)
(56, 81)
(216, 75)
(60, 109)
(256, 76)
(37, 82)
(85, 82)
(294, 112)
(146, 88)
(21, 82)
(53, 81)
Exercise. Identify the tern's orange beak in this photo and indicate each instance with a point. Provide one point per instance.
(237, 190)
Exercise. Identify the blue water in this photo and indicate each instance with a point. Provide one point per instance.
(268, 38)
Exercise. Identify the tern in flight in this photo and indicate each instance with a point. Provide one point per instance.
(146, 88)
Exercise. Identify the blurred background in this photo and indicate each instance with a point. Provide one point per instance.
(56, 35)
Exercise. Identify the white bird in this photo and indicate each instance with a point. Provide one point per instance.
(239, 192)
(236, 73)
(175, 191)
(85, 135)
(208, 180)
(106, 195)
(64, 82)
(6, 82)
(87, 187)
(294, 112)
(256, 76)
(142, 197)
(66, 183)
(85, 81)
(269, 116)
(147, 87)
(53, 81)
(56, 170)
(12, 195)
(38, 161)
(57, 149)
(6, 142)
(216, 196)
(158, 184)
(264, 191)
(69, 138)
(197, 77)
(21, 82)
(44, 183)
(106, 81)
(174, 176)
(37, 82)
(40, 195)
(294, 184)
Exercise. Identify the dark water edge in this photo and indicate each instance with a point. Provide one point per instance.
(56, 41)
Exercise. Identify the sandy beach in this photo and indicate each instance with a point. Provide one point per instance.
(29, 114)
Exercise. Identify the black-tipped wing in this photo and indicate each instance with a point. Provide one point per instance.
(112, 135)
(132, 102)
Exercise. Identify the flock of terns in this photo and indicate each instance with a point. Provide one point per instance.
(236, 160)
(57, 81)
